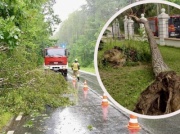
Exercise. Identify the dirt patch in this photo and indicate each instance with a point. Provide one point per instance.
(161, 97)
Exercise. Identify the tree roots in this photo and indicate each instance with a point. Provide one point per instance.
(162, 96)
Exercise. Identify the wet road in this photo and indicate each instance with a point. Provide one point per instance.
(86, 117)
(169, 125)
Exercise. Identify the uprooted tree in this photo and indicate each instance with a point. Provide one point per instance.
(163, 95)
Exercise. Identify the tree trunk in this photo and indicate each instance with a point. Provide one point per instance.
(157, 60)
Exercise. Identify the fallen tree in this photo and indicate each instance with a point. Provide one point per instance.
(163, 95)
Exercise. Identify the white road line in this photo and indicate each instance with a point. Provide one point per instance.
(19, 116)
(10, 132)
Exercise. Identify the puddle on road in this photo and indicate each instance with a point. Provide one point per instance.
(67, 124)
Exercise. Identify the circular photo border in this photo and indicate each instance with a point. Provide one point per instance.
(96, 53)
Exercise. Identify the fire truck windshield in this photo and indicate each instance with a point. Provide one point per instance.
(55, 52)
(175, 21)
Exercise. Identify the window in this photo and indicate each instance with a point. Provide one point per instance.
(55, 52)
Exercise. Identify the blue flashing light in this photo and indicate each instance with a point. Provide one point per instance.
(63, 45)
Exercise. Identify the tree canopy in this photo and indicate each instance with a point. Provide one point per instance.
(26, 22)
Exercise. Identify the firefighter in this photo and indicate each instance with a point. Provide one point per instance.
(75, 67)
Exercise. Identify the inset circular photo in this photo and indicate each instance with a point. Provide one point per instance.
(137, 59)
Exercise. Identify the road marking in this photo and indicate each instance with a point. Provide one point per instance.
(10, 132)
(19, 116)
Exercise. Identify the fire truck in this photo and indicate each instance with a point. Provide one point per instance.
(56, 59)
(173, 25)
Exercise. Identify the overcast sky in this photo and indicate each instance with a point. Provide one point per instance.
(65, 7)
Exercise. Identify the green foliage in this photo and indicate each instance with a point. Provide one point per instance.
(38, 90)
(175, 1)
(15, 63)
(9, 32)
(22, 22)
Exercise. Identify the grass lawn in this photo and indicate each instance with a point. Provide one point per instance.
(125, 84)
(88, 69)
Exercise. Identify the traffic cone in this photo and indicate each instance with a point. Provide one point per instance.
(85, 89)
(105, 105)
(74, 81)
(133, 125)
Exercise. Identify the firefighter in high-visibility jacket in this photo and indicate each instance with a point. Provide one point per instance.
(75, 67)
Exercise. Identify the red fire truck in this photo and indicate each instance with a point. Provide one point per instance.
(56, 58)
(173, 25)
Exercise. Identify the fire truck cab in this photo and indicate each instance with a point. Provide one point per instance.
(56, 59)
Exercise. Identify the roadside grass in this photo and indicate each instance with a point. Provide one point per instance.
(4, 118)
(126, 83)
(88, 69)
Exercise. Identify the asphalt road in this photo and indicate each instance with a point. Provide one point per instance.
(86, 116)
